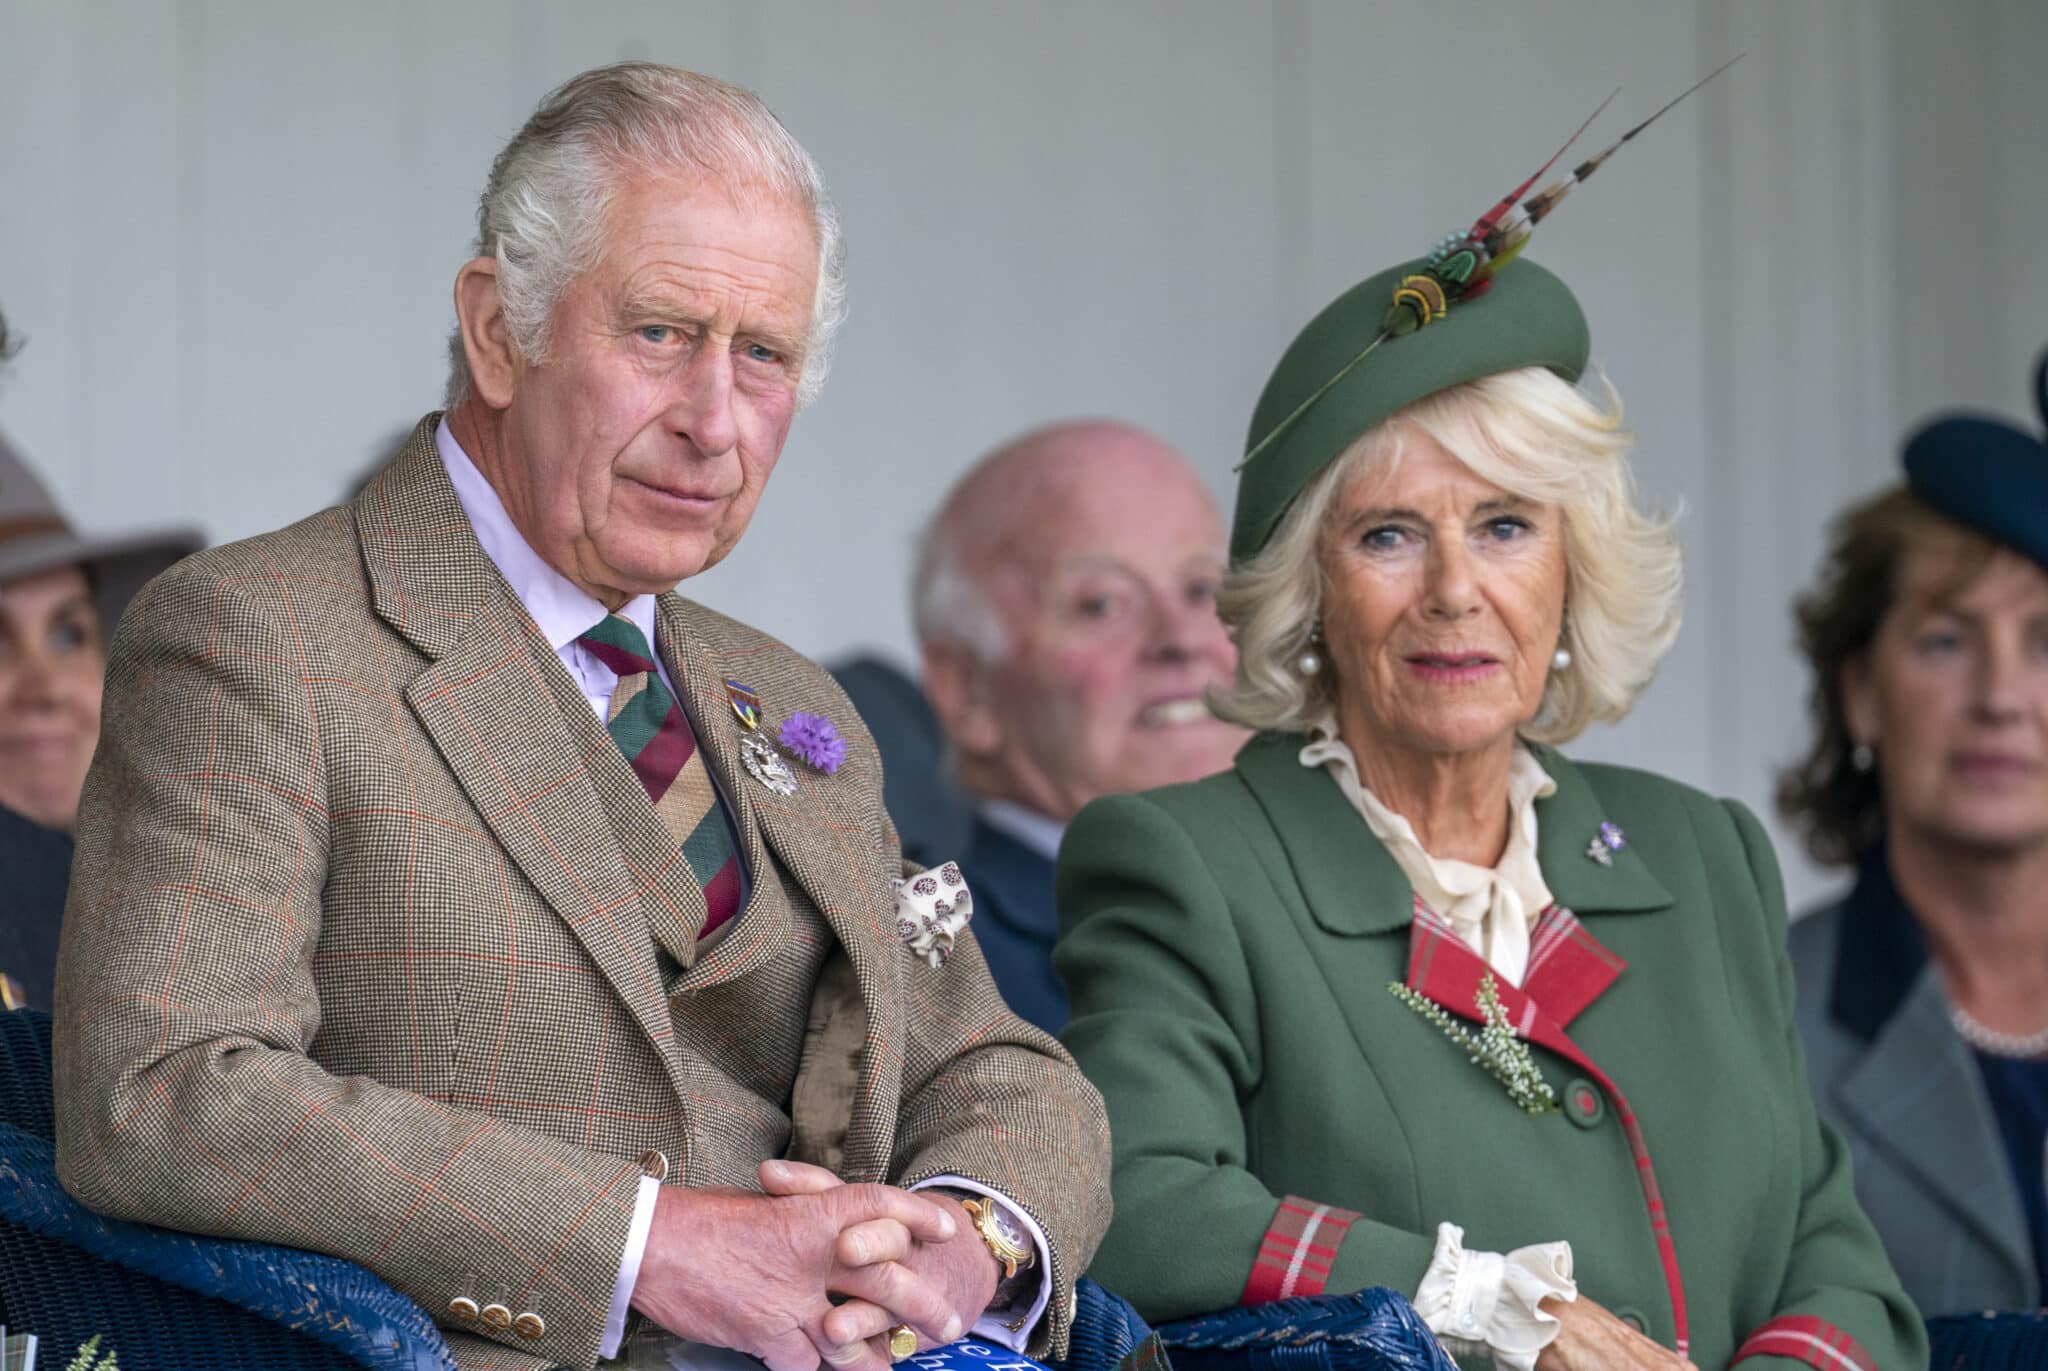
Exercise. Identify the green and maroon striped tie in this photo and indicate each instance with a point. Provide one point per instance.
(649, 726)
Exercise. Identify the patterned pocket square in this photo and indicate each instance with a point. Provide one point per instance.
(931, 908)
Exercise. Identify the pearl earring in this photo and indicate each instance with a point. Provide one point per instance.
(1308, 663)
(1862, 757)
(1561, 659)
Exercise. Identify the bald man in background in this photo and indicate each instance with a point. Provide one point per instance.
(1065, 605)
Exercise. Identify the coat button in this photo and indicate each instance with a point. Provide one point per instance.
(1584, 1105)
(463, 1307)
(496, 1316)
(529, 1325)
(654, 1164)
(1633, 1320)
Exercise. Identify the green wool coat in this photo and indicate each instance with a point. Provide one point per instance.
(1229, 947)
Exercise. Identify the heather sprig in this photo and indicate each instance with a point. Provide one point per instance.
(1494, 1047)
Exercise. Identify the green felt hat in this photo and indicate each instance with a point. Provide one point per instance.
(1526, 318)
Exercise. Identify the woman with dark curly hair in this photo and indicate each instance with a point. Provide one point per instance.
(1923, 996)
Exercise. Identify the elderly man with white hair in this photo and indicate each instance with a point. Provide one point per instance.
(457, 898)
(1065, 607)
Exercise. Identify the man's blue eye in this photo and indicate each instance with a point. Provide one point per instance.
(656, 333)
(761, 353)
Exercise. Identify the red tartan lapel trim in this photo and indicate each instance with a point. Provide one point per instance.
(1297, 1251)
(1568, 970)
(1568, 966)
(1808, 1340)
(1443, 969)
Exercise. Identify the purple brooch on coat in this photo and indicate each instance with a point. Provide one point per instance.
(812, 740)
(1608, 841)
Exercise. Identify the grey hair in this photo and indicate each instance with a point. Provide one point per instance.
(947, 605)
(542, 214)
(1533, 435)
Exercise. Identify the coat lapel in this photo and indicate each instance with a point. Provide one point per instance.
(1350, 882)
(1354, 887)
(1442, 969)
(822, 840)
(507, 720)
(1566, 822)
(1914, 1091)
(1569, 968)
(1916, 1097)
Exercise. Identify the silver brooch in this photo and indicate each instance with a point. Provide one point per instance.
(1608, 841)
(766, 765)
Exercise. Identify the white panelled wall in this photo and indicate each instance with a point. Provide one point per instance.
(229, 230)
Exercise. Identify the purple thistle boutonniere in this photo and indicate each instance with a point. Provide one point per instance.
(814, 741)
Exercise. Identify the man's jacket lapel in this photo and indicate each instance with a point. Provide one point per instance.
(510, 724)
(821, 840)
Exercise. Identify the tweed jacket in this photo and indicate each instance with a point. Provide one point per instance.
(1285, 1124)
(357, 955)
(1890, 1071)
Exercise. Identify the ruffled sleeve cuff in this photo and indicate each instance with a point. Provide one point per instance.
(1487, 1302)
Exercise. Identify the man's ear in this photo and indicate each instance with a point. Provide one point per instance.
(956, 683)
(486, 337)
(1860, 709)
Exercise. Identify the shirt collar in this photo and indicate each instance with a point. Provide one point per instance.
(1029, 827)
(1492, 908)
(562, 610)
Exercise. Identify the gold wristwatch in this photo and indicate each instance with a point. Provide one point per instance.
(1005, 1239)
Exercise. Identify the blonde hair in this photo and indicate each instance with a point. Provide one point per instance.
(1535, 436)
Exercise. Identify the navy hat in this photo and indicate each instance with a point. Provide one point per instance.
(1987, 475)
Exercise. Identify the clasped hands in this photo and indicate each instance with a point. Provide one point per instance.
(812, 1270)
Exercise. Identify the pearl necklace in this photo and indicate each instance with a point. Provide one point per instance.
(2016, 1046)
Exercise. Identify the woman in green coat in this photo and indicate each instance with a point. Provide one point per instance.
(1408, 999)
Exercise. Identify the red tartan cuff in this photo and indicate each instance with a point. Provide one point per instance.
(1297, 1250)
(1803, 1338)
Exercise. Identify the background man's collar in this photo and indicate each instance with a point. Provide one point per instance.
(1027, 826)
(561, 609)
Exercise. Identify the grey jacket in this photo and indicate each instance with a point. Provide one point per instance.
(1890, 1072)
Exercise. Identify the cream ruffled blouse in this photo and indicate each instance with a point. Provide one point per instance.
(1477, 1302)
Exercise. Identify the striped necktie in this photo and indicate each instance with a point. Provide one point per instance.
(649, 726)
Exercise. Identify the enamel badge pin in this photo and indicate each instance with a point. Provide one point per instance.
(757, 754)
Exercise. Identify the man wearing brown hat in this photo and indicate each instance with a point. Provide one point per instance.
(60, 594)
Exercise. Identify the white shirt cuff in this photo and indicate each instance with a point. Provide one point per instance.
(994, 1325)
(1489, 1302)
(629, 1268)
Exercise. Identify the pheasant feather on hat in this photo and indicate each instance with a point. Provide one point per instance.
(1462, 267)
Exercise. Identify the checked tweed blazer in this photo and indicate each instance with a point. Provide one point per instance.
(357, 956)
